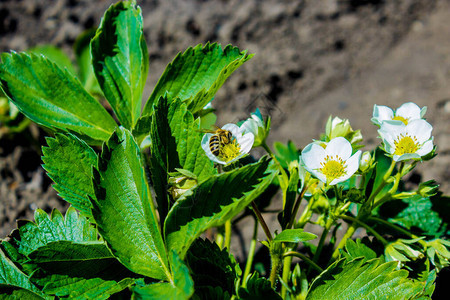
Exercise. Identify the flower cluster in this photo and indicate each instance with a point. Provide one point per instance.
(404, 132)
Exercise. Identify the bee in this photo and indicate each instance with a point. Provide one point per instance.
(220, 138)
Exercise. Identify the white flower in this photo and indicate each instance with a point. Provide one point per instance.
(257, 126)
(410, 141)
(240, 145)
(332, 164)
(406, 113)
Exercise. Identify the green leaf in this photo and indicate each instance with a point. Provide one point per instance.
(382, 165)
(188, 137)
(124, 210)
(164, 157)
(213, 202)
(294, 236)
(211, 267)
(56, 55)
(68, 162)
(11, 292)
(53, 98)
(258, 288)
(419, 213)
(358, 249)
(289, 188)
(141, 130)
(84, 60)
(195, 75)
(120, 60)
(69, 256)
(286, 153)
(79, 270)
(182, 287)
(12, 276)
(47, 229)
(363, 279)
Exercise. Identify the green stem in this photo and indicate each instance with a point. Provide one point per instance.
(304, 258)
(367, 227)
(296, 207)
(251, 254)
(262, 222)
(276, 258)
(350, 231)
(399, 229)
(287, 261)
(227, 241)
(306, 214)
(382, 184)
(264, 145)
(393, 189)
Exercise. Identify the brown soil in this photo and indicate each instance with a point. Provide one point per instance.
(313, 59)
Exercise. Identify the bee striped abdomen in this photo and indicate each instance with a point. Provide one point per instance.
(214, 145)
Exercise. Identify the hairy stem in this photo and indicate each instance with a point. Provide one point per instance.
(227, 241)
(305, 259)
(251, 254)
(367, 227)
(262, 222)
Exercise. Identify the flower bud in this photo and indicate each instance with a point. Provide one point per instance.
(366, 161)
(258, 127)
(341, 127)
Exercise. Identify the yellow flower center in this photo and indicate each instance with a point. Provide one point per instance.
(333, 167)
(229, 151)
(400, 118)
(406, 144)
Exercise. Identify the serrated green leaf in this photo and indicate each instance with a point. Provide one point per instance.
(213, 202)
(53, 98)
(188, 137)
(12, 276)
(79, 270)
(181, 288)
(142, 129)
(71, 257)
(68, 162)
(120, 60)
(258, 288)
(294, 236)
(164, 157)
(124, 210)
(10, 292)
(358, 249)
(56, 55)
(84, 61)
(47, 229)
(195, 75)
(419, 214)
(363, 279)
(211, 266)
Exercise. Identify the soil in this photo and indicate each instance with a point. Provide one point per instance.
(312, 59)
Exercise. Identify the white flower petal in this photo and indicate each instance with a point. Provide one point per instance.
(352, 164)
(390, 131)
(409, 111)
(382, 113)
(249, 126)
(235, 130)
(339, 146)
(312, 156)
(246, 142)
(206, 148)
(426, 148)
(421, 129)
